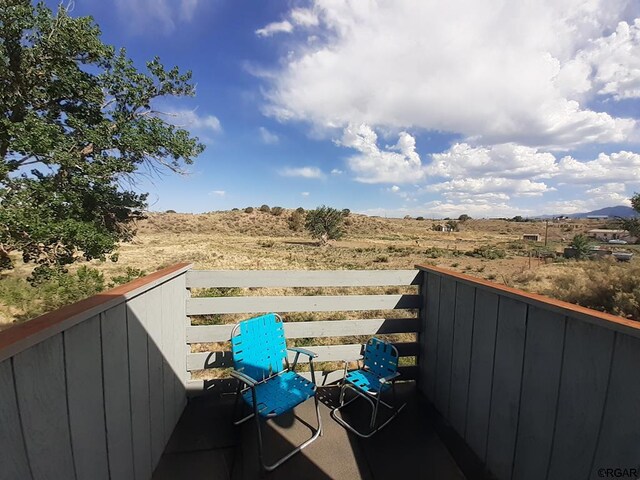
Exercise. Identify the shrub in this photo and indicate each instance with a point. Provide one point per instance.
(581, 244)
(129, 275)
(381, 259)
(420, 218)
(296, 221)
(300, 210)
(170, 211)
(464, 217)
(235, 209)
(277, 211)
(489, 252)
(248, 210)
(265, 208)
(604, 286)
(325, 223)
(346, 212)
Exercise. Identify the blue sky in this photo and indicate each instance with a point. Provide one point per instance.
(396, 107)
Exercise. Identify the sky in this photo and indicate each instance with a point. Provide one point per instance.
(489, 108)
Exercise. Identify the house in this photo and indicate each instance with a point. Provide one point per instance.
(531, 237)
(605, 234)
(442, 228)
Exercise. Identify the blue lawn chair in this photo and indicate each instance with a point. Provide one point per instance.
(267, 383)
(377, 376)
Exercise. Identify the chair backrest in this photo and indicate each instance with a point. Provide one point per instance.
(380, 357)
(259, 346)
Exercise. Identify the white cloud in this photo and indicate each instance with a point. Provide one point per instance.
(490, 185)
(304, 172)
(146, 15)
(275, 27)
(505, 160)
(399, 163)
(305, 194)
(219, 193)
(622, 167)
(305, 17)
(336, 171)
(612, 64)
(190, 119)
(395, 188)
(493, 75)
(267, 137)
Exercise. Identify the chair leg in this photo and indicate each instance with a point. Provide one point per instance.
(314, 437)
(374, 411)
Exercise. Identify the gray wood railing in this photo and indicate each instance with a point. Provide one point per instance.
(539, 389)
(94, 390)
(251, 305)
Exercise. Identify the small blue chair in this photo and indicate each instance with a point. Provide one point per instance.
(377, 376)
(266, 381)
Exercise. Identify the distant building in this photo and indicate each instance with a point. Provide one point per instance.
(442, 228)
(597, 217)
(604, 235)
(531, 237)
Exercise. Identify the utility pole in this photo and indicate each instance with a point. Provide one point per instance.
(546, 232)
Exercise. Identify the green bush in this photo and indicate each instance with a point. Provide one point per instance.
(265, 208)
(129, 275)
(325, 223)
(248, 210)
(489, 252)
(277, 211)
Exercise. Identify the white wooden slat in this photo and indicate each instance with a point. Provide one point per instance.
(139, 384)
(326, 353)
(13, 457)
(83, 363)
(115, 364)
(156, 377)
(328, 303)
(42, 399)
(313, 329)
(293, 278)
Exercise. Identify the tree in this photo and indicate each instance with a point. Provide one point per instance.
(464, 217)
(325, 223)
(265, 208)
(632, 225)
(296, 220)
(453, 225)
(77, 123)
(582, 245)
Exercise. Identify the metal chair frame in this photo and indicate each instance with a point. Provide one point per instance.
(372, 397)
(246, 382)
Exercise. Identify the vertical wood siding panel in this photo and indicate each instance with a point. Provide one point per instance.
(445, 343)
(156, 376)
(507, 377)
(13, 457)
(463, 330)
(430, 357)
(481, 373)
(86, 407)
(42, 398)
(169, 352)
(619, 443)
(540, 383)
(422, 338)
(139, 384)
(583, 385)
(181, 335)
(115, 358)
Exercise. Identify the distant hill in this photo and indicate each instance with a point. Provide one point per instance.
(617, 211)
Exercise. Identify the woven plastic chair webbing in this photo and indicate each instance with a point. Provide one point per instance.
(259, 348)
(380, 358)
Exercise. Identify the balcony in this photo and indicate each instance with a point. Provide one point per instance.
(500, 384)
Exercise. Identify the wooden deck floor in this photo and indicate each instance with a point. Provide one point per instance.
(206, 445)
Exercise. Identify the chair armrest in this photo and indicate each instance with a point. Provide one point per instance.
(243, 377)
(303, 351)
(389, 378)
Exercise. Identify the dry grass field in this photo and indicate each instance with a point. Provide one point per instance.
(490, 249)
